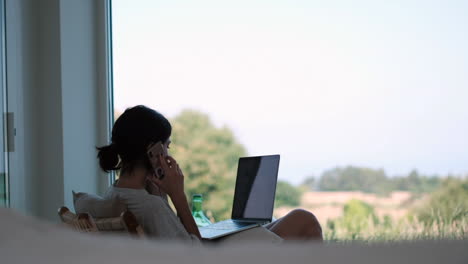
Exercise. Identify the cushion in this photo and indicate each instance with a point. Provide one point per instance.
(97, 206)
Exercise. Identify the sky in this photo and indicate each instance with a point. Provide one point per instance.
(380, 84)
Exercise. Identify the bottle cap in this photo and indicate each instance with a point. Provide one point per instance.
(197, 196)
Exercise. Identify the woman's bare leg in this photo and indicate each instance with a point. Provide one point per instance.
(297, 225)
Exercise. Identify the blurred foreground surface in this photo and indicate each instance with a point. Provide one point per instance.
(25, 239)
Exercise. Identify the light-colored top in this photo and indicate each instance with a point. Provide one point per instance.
(153, 213)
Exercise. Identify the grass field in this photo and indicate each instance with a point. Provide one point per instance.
(351, 216)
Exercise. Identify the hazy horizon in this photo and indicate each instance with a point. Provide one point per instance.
(324, 84)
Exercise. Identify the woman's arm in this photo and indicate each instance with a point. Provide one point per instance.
(185, 215)
(173, 185)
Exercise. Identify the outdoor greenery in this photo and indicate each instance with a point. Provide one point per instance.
(372, 181)
(446, 207)
(287, 195)
(443, 216)
(208, 156)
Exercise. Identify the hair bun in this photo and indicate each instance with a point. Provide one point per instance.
(108, 158)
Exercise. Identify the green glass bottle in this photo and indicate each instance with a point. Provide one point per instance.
(200, 218)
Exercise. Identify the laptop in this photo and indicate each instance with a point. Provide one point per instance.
(254, 197)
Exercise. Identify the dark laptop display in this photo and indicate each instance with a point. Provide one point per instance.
(254, 197)
(255, 188)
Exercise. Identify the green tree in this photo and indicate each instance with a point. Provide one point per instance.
(353, 179)
(208, 156)
(357, 217)
(287, 195)
(446, 206)
(416, 183)
(375, 181)
(309, 184)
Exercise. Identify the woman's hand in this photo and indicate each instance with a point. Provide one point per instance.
(173, 181)
(173, 185)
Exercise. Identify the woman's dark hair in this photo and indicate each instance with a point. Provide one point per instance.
(132, 132)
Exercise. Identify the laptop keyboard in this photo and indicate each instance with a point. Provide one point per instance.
(228, 224)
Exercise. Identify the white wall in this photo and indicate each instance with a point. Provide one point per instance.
(57, 88)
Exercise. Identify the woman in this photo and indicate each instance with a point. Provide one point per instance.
(146, 196)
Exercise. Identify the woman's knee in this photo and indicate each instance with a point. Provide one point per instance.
(309, 220)
(304, 214)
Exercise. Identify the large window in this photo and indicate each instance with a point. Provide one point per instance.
(364, 100)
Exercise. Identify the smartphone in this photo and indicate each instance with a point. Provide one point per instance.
(153, 152)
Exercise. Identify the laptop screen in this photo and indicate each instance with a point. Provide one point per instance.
(254, 195)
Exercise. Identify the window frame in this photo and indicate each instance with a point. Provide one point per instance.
(3, 105)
